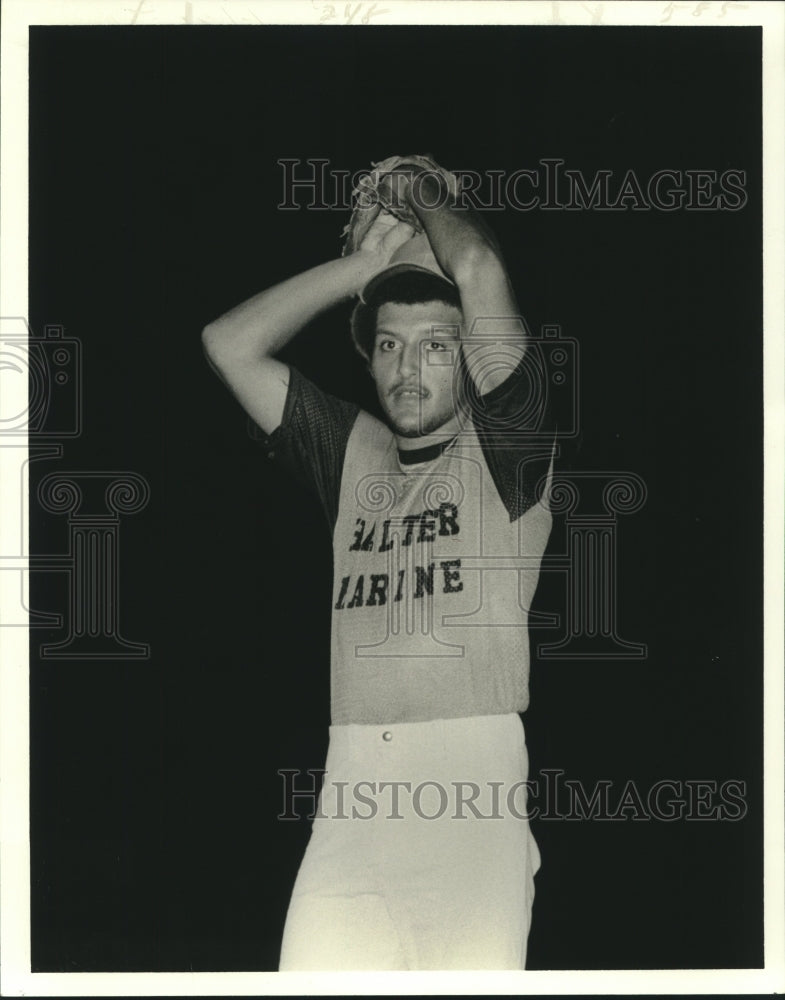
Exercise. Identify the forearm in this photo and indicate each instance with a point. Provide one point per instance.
(460, 238)
(262, 325)
(469, 253)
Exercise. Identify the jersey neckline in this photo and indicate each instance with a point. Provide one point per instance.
(414, 456)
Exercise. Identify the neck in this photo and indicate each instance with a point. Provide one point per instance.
(441, 435)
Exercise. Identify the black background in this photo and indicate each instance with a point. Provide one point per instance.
(154, 186)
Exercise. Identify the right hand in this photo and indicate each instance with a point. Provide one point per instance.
(384, 237)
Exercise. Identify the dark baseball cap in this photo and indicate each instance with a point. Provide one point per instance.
(413, 255)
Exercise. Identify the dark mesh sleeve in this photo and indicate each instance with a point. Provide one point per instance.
(311, 439)
(516, 426)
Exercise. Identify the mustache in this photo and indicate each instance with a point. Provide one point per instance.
(409, 387)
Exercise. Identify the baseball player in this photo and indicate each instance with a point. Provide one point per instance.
(420, 855)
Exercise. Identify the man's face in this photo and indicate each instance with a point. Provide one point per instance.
(414, 357)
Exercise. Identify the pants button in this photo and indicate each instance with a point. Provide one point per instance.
(387, 736)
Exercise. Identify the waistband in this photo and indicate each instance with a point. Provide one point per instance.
(471, 746)
(432, 730)
(429, 767)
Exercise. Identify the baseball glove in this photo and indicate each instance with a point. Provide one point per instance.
(378, 191)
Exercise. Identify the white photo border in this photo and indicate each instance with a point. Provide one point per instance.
(17, 17)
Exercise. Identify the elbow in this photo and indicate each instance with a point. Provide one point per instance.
(211, 340)
(218, 350)
(217, 345)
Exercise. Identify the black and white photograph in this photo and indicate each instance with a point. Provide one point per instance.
(391, 441)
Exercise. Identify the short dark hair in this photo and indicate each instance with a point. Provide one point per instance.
(404, 288)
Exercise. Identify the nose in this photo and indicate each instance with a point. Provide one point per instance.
(409, 360)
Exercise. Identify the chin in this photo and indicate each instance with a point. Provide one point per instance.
(407, 432)
(416, 426)
(416, 430)
(410, 429)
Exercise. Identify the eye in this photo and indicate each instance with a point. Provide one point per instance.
(386, 344)
(437, 345)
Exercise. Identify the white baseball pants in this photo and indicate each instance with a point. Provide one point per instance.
(420, 855)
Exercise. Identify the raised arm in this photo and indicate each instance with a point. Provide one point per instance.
(469, 253)
(241, 345)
